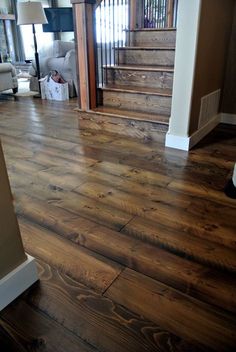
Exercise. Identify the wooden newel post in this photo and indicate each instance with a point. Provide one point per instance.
(84, 30)
(170, 13)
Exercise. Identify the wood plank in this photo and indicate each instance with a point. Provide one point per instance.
(154, 104)
(139, 175)
(174, 310)
(166, 92)
(201, 191)
(126, 114)
(188, 277)
(78, 263)
(36, 332)
(98, 320)
(156, 194)
(44, 135)
(146, 56)
(141, 78)
(48, 158)
(88, 208)
(167, 227)
(144, 130)
(202, 250)
(153, 37)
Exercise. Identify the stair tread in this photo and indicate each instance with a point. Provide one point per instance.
(151, 68)
(167, 92)
(132, 114)
(152, 29)
(158, 47)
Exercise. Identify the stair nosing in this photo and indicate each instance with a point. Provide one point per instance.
(125, 90)
(129, 117)
(151, 29)
(141, 68)
(161, 48)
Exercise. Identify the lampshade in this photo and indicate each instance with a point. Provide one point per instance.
(31, 13)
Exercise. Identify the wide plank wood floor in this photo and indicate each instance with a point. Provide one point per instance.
(135, 243)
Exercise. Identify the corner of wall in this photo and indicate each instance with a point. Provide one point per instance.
(17, 281)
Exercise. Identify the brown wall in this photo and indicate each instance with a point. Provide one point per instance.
(213, 43)
(229, 93)
(11, 248)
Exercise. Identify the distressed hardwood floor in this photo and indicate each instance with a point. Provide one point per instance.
(135, 243)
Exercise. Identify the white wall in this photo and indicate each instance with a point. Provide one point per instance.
(203, 36)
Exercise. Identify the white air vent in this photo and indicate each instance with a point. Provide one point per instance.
(209, 107)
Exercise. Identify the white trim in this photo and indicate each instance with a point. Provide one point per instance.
(188, 19)
(234, 176)
(186, 143)
(177, 142)
(17, 281)
(228, 118)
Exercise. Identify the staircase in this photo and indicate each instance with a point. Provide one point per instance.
(135, 52)
(136, 98)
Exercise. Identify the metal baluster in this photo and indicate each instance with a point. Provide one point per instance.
(105, 38)
(149, 12)
(101, 49)
(118, 31)
(164, 13)
(121, 24)
(110, 29)
(144, 13)
(113, 22)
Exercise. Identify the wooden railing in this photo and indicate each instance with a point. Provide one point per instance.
(102, 27)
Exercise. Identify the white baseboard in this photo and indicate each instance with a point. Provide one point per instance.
(177, 142)
(17, 281)
(228, 118)
(186, 143)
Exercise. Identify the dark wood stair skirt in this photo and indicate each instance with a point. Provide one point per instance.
(124, 122)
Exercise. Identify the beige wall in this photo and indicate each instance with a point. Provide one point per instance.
(229, 93)
(11, 248)
(212, 49)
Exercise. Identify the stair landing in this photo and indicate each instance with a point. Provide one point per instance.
(129, 123)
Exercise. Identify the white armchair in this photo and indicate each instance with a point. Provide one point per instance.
(8, 78)
(60, 57)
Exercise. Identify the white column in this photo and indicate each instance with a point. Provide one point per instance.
(185, 59)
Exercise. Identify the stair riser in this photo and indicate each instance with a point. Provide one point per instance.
(139, 78)
(123, 126)
(138, 102)
(145, 57)
(152, 38)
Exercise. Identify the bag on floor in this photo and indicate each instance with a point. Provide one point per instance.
(54, 87)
